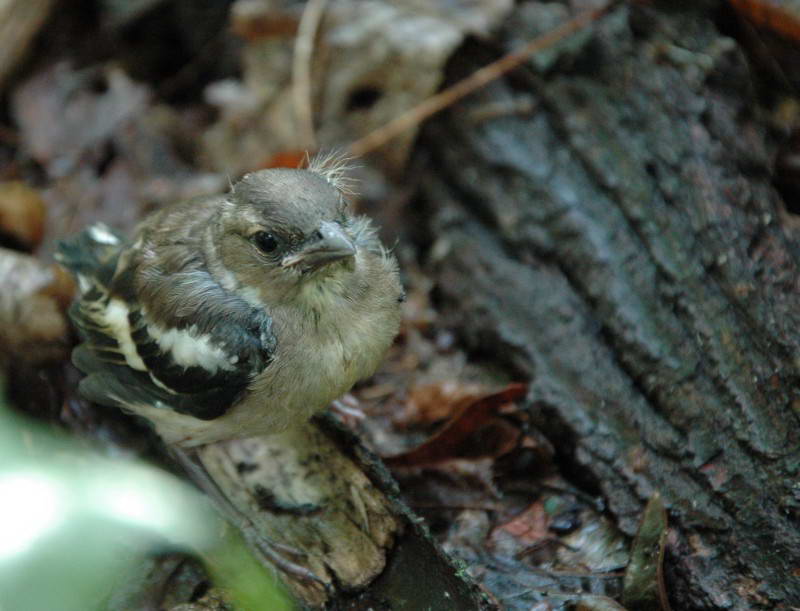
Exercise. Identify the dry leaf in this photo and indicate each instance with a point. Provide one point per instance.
(20, 20)
(526, 529)
(778, 16)
(252, 22)
(431, 403)
(64, 114)
(22, 215)
(33, 328)
(286, 159)
(644, 578)
(371, 60)
(457, 439)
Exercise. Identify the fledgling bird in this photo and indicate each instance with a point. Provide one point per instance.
(235, 315)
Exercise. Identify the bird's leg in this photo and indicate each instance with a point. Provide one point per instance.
(272, 552)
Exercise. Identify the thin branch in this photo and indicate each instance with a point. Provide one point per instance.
(301, 72)
(478, 79)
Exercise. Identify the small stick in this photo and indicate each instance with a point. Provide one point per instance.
(301, 71)
(476, 80)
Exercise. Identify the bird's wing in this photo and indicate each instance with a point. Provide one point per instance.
(199, 369)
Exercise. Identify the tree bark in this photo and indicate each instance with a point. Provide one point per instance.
(318, 497)
(623, 249)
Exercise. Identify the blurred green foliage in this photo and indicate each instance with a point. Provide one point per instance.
(72, 523)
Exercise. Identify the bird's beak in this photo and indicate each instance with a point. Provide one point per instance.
(333, 245)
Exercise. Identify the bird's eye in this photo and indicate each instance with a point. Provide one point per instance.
(265, 241)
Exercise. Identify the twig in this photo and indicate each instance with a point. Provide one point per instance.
(476, 80)
(301, 71)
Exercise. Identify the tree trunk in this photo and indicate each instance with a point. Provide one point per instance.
(622, 247)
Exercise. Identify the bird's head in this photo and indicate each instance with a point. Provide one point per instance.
(282, 231)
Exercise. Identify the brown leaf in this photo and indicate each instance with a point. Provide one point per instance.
(285, 159)
(431, 403)
(773, 15)
(365, 63)
(527, 528)
(255, 21)
(21, 215)
(32, 323)
(20, 20)
(458, 438)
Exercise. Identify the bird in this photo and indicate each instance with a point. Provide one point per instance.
(238, 314)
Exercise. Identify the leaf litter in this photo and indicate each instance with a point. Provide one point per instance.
(90, 143)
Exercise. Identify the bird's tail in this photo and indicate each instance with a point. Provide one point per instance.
(91, 255)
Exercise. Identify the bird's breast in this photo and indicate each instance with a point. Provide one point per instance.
(318, 358)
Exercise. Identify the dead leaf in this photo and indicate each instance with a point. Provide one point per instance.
(22, 215)
(643, 587)
(253, 23)
(64, 113)
(438, 401)
(33, 328)
(527, 528)
(451, 484)
(285, 159)
(20, 21)
(370, 62)
(458, 438)
(774, 15)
